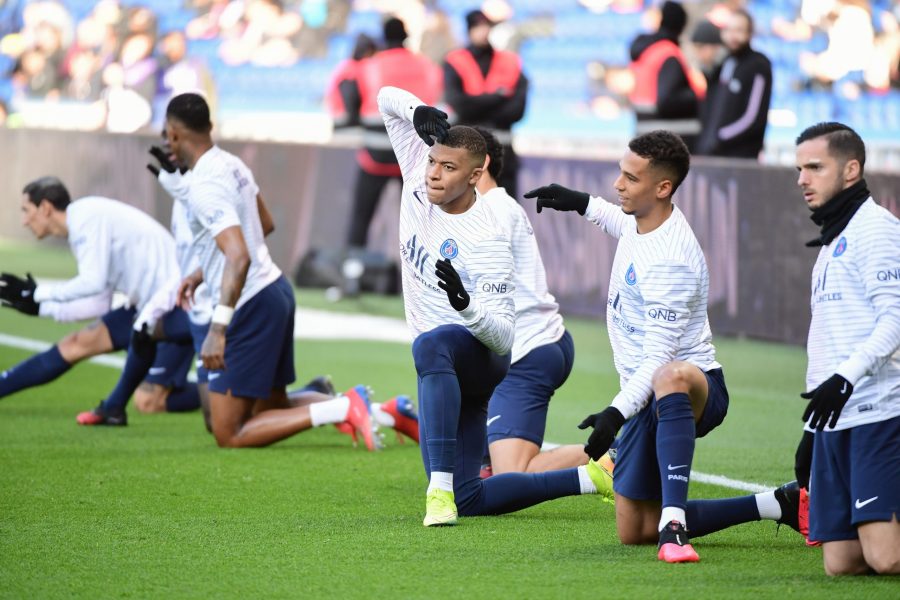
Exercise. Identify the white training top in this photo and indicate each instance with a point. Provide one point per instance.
(538, 321)
(855, 328)
(656, 309)
(89, 307)
(201, 309)
(222, 195)
(473, 241)
(118, 249)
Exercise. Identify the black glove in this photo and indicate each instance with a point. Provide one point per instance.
(606, 424)
(431, 122)
(803, 459)
(827, 401)
(18, 293)
(143, 344)
(164, 162)
(557, 197)
(452, 284)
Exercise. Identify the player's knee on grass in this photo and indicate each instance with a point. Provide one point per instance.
(880, 542)
(85, 343)
(512, 455)
(844, 558)
(637, 521)
(151, 398)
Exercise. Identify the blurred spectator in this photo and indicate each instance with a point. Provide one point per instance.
(394, 66)
(264, 35)
(667, 92)
(139, 65)
(437, 38)
(126, 110)
(177, 73)
(851, 41)
(85, 83)
(342, 96)
(11, 19)
(706, 42)
(737, 102)
(33, 76)
(487, 87)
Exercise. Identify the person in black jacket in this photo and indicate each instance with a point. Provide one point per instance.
(736, 113)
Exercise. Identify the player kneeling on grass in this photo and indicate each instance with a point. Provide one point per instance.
(673, 390)
(458, 296)
(118, 248)
(249, 349)
(853, 376)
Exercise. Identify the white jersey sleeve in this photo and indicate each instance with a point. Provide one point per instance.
(81, 309)
(212, 206)
(490, 316)
(668, 290)
(607, 216)
(92, 250)
(397, 107)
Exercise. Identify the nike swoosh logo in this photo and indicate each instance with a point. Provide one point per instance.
(492, 419)
(156, 370)
(416, 194)
(675, 468)
(212, 376)
(869, 501)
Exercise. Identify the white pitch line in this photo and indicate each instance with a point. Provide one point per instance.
(313, 324)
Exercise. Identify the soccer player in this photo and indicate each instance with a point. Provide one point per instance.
(543, 351)
(458, 296)
(673, 390)
(853, 375)
(118, 248)
(249, 349)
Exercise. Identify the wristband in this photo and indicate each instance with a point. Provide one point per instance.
(222, 315)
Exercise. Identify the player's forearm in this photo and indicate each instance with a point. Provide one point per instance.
(76, 310)
(495, 328)
(605, 215)
(233, 278)
(79, 287)
(635, 395)
(397, 103)
(875, 351)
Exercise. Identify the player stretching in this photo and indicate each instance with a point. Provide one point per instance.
(673, 390)
(249, 349)
(543, 351)
(458, 296)
(853, 376)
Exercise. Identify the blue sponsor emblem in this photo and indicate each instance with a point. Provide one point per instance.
(631, 275)
(449, 249)
(841, 247)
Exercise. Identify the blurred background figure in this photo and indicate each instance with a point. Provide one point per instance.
(177, 73)
(342, 96)
(667, 91)
(487, 87)
(706, 45)
(737, 103)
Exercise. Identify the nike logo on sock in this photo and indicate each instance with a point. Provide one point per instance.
(869, 501)
(675, 468)
(492, 419)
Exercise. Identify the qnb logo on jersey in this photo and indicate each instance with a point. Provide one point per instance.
(415, 254)
(840, 248)
(631, 275)
(663, 314)
(449, 249)
(888, 275)
(494, 288)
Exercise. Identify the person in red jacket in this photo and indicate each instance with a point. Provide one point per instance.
(342, 96)
(486, 87)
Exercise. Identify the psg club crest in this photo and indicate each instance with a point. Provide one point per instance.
(630, 275)
(449, 249)
(841, 247)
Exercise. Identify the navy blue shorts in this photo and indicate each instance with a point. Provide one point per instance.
(259, 345)
(518, 407)
(855, 478)
(119, 323)
(198, 334)
(637, 468)
(175, 355)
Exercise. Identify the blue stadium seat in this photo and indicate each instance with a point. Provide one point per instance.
(365, 21)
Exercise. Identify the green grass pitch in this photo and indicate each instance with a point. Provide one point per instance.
(156, 510)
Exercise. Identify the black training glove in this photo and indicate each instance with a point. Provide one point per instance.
(452, 284)
(165, 163)
(431, 123)
(557, 197)
(143, 344)
(18, 293)
(803, 459)
(827, 401)
(606, 424)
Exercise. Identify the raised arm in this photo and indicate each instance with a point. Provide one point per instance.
(412, 126)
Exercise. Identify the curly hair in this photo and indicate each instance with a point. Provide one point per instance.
(462, 136)
(494, 150)
(666, 151)
(843, 142)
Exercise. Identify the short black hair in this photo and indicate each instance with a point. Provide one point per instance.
(665, 150)
(843, 142)
(494, 151)
(192, 110)
(462, 136)
(48, 188)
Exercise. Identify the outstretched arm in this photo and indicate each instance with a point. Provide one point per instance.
(412, 126)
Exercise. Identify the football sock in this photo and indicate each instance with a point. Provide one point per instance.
(510, 492)
(39, 369)
(675, 435)
(669, 514)
(329, 411)
(136, 368)
(708, 516)
(382, 418)
(585, 481)
(440, 481)
(183, 399)
(768, 506)
(439, 408)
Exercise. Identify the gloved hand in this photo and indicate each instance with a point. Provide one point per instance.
(803, 459)
(827, 401)
(557, 197)
(606, 424)
(165, 163)
(18, 293)
(452, 284)
(431, 123)
(143, 344)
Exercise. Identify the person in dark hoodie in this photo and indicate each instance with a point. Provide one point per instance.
(486, 87)
(667, 92)
(737, 105)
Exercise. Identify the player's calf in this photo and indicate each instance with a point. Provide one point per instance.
(91, 341)
(151, 398)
